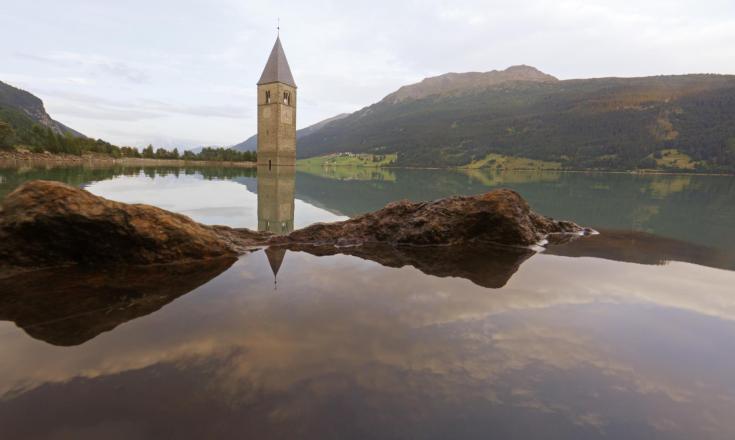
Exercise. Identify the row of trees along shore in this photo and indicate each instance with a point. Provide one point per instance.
(40, 139)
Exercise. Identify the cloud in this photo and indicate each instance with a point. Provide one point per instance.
(203, 59)
(444, 338)
(95, 64)
(94, 107)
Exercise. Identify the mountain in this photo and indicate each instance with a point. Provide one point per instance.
(19, 104)
(251, 143)
(457, 119)
(196, 150)
(460, 83)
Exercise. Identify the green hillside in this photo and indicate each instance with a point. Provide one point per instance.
(25, 125)
(607, 123)
(349, 159)
(17, 129)
(24, 122)
(31, 107)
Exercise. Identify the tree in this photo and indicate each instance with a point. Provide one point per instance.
(647, 163)
(148, 152)
(129, 152)
(7, 135)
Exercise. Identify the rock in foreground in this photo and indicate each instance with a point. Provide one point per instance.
(499, 217)
(45, 224)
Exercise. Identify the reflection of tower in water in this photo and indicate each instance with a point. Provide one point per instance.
(276, 188)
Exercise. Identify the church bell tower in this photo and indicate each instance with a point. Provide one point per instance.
(276, 112)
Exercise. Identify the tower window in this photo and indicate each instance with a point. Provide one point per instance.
(267, 96)
(287, 98)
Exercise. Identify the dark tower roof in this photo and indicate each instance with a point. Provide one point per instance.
(275, 258)
(276, 69)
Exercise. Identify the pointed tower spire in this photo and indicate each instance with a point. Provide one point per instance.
(275, 257)
(276, 112)
(277, 69)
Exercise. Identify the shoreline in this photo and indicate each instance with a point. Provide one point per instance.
(537, 170)
(634, 172)
(27, 158)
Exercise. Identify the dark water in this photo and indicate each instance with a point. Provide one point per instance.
(629, 334)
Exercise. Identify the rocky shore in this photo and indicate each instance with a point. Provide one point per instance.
(49, 224)
(28, 157)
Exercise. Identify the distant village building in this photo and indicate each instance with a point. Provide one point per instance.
(277, 112)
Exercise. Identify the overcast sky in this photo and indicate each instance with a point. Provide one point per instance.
(183, 73)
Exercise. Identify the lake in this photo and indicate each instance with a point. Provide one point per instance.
(627, 334)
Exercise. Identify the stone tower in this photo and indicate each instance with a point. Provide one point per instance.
(276, 112)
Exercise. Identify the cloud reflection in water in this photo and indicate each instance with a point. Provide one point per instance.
(570, 347)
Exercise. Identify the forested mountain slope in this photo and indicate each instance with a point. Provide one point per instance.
(684, 121)
(21, 104)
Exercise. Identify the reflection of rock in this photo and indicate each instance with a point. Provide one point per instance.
(484, 265)
(73, 305)
(642, 248)
(500, 217)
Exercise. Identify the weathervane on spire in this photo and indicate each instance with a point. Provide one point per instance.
(278, 26)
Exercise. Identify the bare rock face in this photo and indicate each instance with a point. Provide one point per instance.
(499, 217)
(50, 224)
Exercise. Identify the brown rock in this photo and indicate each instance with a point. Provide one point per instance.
(49, 224)
(500, 217)
(46, 224)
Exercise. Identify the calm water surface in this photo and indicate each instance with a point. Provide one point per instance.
(629, 334)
